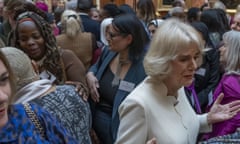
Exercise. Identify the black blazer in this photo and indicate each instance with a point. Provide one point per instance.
(207, 76)
(91, 25)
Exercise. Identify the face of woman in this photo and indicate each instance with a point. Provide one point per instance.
(152, 29)
(184, 66)
(236, 23)
(95, 15)
(117, 41)
(31, 40)
(5, 93)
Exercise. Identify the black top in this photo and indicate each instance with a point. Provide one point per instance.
(106, 91)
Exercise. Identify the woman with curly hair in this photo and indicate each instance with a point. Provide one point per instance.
(34, 36)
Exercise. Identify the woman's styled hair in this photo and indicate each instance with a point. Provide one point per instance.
(71, 23)
(111, 10)
(126, 9)
(216, 20)
(52, 61)
(13, 5)
(21, 6)
(173, 36)
(11, 75)
(128, 24)
(146, 10)
(192, 14)
(232, 43)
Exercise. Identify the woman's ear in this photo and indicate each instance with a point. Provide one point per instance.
(35, 66)
(129, 39)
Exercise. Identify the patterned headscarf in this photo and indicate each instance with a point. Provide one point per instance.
(21, 66)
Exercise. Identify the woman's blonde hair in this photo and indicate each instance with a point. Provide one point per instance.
(71, 23)
(170, 38)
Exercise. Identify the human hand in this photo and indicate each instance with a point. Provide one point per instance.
(152, 141)
(94, 137)
(93, 85)
(219, 113)
(35, 66)
(80, 88)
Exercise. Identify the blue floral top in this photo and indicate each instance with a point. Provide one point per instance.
(20, 129)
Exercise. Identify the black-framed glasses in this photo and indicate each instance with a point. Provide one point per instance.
(113, 35)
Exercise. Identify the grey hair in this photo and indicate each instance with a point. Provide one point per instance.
(176, 10)
(232, 43)
(170, 38)
(219, 5)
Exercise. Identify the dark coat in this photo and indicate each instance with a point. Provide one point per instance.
(91, 25)
(135, 75)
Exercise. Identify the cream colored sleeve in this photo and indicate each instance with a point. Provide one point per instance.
(204, 126)
(133, 127)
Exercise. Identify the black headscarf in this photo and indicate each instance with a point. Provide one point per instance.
(203, 29)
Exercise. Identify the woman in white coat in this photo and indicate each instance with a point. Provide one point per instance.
(158, 107)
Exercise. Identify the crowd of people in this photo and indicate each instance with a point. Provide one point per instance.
(115, 75)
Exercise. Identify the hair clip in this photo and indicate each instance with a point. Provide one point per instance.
(74, 16)
(24, 15)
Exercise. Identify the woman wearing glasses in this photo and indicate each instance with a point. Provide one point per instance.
(118, 71)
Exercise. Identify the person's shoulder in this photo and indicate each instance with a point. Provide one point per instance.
(36, 108)
(68, 89)
(231, 76)
(19, 110)
(139, 97)
(86, 35)
(140, 91)
(16, 110)
(106, 52)
(60, 37)
(67, 54)
(16, 106)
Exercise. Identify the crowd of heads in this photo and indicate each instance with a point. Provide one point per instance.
(159, 39)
